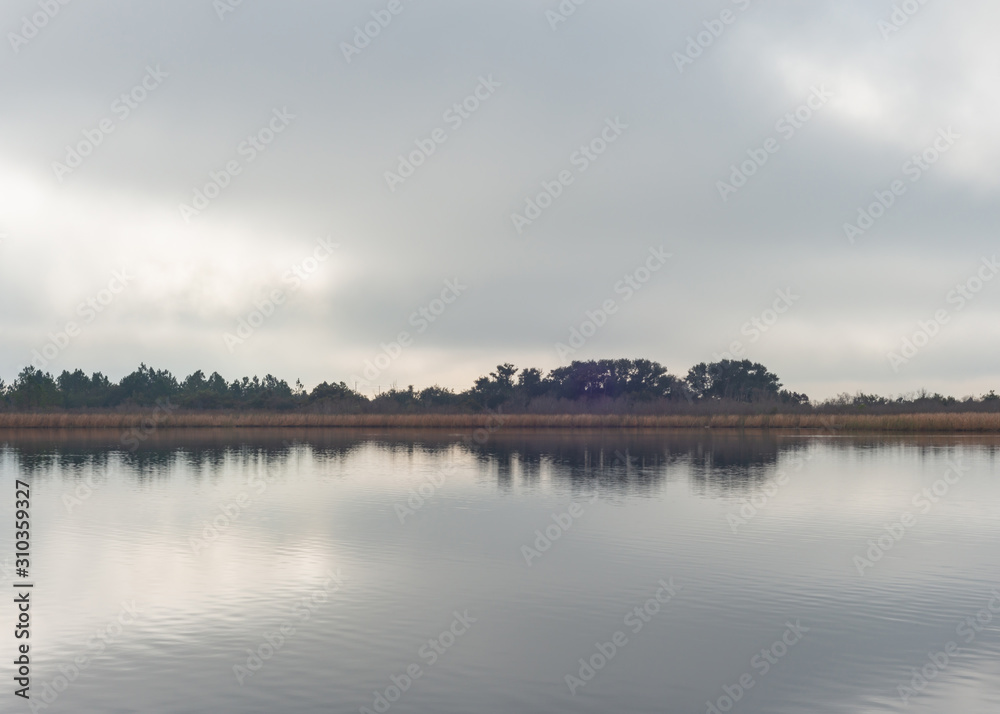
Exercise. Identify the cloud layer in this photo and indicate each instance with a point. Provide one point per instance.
(740, 137)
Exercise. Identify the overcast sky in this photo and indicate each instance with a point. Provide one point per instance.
(312, 126)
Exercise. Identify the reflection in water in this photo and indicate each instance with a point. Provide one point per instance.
(633, 461)
(218, 535)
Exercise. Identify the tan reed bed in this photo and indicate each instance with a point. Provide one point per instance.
(924, 423)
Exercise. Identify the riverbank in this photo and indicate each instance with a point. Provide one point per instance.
(971, 422)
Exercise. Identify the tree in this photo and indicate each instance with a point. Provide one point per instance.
(438, 397)
(633, 379)
(788, 397)
(337, 397)
(194, 382)
(217, 384)
(34, 388)
(397, 399)
(623, 381)
(739, 381)
(268, 393)
(197, 392)
(146, 385)
(79, 390)
(497, 388)
(644, 379)
(530, 383)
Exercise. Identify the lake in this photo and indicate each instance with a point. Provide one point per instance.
(496, 572)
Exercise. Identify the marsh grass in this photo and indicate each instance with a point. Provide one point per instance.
(915, 423)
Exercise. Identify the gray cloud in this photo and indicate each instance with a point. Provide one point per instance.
(654, 186)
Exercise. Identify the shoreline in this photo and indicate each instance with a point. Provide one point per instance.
(969, 422)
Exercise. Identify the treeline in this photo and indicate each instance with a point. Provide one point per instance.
(596, 386)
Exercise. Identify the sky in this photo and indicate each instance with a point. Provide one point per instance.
(413, 191)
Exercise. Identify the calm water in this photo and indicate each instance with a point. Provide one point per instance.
(303, 572)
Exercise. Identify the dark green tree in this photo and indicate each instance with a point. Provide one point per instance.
(531, 383)
(437, 397)
(621, 378)
(33, 389)
(145, 386)
(79, 390)
(738, 381)
(497, 388)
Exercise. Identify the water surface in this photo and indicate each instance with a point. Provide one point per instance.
(311, 570)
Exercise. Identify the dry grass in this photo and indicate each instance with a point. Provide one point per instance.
(923, 423)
